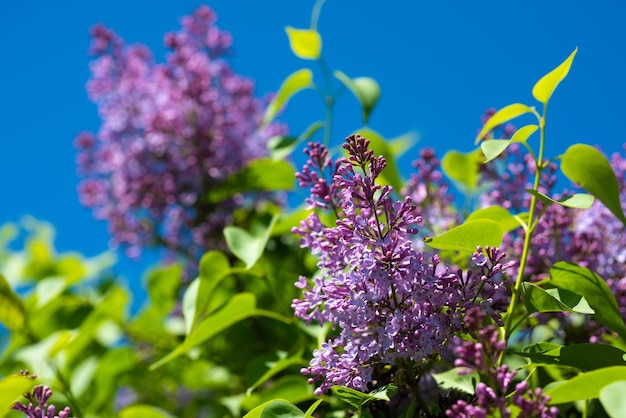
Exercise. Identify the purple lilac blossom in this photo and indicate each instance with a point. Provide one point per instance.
(388, 305)
(430, 192)
(170, 133)
(492, 397)
(38, 399)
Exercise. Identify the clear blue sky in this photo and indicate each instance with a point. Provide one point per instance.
(439, 63)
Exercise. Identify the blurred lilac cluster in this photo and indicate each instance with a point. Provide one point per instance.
(493, 393)
(38, 399)
(388, 305)
(170, 133)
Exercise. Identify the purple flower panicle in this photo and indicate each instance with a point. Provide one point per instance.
(170, 133)
(388, 304)
(38, 399)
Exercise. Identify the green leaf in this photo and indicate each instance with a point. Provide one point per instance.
(492, 148)
(585, 165)
(503, 115)
(468, 236)
(365, 89)
(293, 388)
(12, 311)
(260, 175)
(358, 399)
(277, 367)
(248, 246)
(281, 409)
(48, 289)
(241, 306)
(294, 83)
(391, 174)
(143, 411)
(281, 147)
(613, 400)
(544, 88)
(585, 357)
(453, 380)
(401, 144)
(304, 43)
(594, 289)
(498, 214)
(257, 411)
(214, 267)
(585, 385)
(163, 285)
(309, 412)
(576, 201)
(463, 167)
(537, 299)
(11, 389)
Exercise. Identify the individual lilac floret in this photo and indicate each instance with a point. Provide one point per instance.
(170, 133)
(388, 305)
(38, 402)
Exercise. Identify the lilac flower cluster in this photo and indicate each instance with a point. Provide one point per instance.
(430, 192)
(492, 396)
(38, 402)
(170, 133)
(388, 305)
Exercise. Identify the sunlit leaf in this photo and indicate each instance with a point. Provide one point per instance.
(585, 357)
(463, 167)
(468, 236)
(257, 411)
(163, 284)
(260, 175)
(585, 165)
(281, 409)
(294, 83)
(492, 148)
(613, 400)
(365, 89)
(498, 214)
(276, 367)
(594, 289)
(585, 385)
(12, 312)
(293, 388)
(503, 115)
(544, 88)
(304, 43)
(11, 390)
(391, 174)
(143, 411)
(576, 201)
(401, 144)
(48, 289)
(309, 412)
(281, 147)
(358, 399)
(249, 245)
(537, 299)
(453, 380)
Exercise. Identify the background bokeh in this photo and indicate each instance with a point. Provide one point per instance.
(440, 65)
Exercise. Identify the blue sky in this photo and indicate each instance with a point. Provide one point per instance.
(439, 64)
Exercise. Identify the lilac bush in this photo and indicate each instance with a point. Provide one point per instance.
(170, 133)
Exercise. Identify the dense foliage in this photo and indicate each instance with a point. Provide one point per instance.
(376, 297)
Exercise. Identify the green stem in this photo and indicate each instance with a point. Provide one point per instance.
(508, 326)
(329, 102)
(315, 14)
